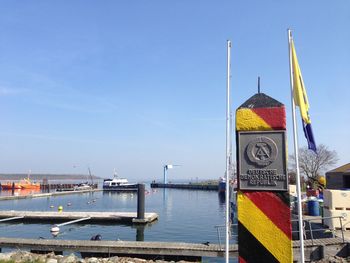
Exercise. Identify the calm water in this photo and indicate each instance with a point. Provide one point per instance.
(184, 216)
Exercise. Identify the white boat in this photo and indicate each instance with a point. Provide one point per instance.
(82, 186)
(118, 184)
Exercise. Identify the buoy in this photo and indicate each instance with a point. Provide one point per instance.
(55, 230)
(60, 208)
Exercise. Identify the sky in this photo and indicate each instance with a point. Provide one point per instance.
(134, 85)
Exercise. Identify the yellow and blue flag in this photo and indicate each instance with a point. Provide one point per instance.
(300, 99)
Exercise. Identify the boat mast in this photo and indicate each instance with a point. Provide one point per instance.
(92, 182)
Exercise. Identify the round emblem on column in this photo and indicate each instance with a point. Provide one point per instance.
(262, 151)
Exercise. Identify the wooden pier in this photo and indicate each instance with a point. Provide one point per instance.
(95, 217)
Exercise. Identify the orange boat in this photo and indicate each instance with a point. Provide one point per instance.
(23, 184)
(27, 184)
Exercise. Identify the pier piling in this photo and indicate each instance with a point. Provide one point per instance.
(141, 202)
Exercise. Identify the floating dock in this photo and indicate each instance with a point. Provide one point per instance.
(210, 187)
(95, 217)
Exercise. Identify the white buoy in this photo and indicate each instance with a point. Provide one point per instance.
(54, 229)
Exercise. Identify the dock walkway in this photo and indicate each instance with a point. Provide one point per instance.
(48, 216)
(119, 247)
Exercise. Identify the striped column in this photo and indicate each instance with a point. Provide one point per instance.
(264, 218)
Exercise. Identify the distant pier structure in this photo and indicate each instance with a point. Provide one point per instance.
(189, 186)
(264, 218)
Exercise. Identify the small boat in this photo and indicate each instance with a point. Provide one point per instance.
(82, 186)
(119, 184)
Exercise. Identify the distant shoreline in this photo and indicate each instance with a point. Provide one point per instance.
(40, 177)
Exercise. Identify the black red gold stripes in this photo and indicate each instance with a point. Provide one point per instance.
(259, 254)
(264, 224)
(268, 223)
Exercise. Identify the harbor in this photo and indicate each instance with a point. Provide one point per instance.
(82, 210)
(173, 223)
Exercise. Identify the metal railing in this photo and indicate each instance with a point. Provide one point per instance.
(307, 226)
(312, 231)
(222, 228)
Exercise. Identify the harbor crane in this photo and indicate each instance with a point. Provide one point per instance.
(165, 171)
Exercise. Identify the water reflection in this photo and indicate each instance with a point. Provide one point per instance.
(140, 232)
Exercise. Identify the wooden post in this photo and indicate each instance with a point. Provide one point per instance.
(264, 224)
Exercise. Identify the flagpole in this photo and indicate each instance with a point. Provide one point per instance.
(296, 154)
(228, 133)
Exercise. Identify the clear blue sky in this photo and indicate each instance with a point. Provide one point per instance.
(133, 85)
